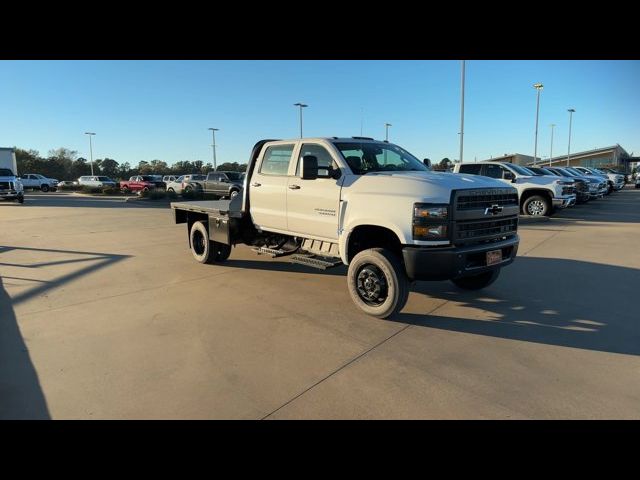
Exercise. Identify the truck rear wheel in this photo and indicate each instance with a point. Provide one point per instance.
(377, 282)
(21, 199)
(477, 282)
(205, 250)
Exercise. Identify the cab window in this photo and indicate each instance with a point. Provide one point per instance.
(325, 161)
(493, 171)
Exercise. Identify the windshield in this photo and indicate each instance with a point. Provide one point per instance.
(149, 178)
(367, 157)
(198, 177)
(575, 172)
(5, 172)
(104, 179)
(564, 173)
(233, 175)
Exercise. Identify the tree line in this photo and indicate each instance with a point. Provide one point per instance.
(64, 164)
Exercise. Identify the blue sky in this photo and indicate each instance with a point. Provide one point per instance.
(145, 110)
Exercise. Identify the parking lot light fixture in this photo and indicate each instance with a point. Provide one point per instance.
(301, 105)
(551, 151)
(213, 131)
(571, 111)
(91, 134)
(538, 87)
(386, 131)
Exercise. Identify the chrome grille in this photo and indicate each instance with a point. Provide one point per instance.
(486, 200)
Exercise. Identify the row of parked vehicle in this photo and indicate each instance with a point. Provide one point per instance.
(543, 189)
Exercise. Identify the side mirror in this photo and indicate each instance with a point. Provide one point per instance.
(427, 163)
(508, 176)
(309, 167)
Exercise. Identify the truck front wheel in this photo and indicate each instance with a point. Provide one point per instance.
(377, 282)
(205, 250)
(477, 282)
(537, 205)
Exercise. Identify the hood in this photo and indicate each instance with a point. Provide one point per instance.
(452, 181)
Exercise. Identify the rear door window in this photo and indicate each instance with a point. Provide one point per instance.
(471, 169)
(276, 160)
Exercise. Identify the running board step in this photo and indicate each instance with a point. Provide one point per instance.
(315, 262)
(273, 253)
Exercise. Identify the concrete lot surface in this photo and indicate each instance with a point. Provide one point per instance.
(104, 314)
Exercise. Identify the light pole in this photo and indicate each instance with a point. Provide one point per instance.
(301, 105)
(538, 87)
(213, 132)
(570, 110)
(91, 134)
(462, 111)
(551, 151)
(386, 131)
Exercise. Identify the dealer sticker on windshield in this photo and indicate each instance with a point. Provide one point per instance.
(494, 256)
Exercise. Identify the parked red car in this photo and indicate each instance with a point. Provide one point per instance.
(141, 183)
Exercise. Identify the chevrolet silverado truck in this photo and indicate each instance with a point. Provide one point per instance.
(141, 183)
(538, 195)
(10, 186)
(581, 184)
(371, 205)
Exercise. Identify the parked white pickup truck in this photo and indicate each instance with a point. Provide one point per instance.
(538, 196)
(10, 186)
(363, 203)
(38, 182)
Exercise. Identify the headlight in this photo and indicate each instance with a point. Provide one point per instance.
(423, 210)
(430, 221)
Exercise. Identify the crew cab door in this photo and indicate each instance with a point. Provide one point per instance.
(268, 187)
(312, 205)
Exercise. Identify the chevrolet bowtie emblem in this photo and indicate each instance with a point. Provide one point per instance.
(493, 210)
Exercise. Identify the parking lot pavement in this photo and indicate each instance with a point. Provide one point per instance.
(104, 314)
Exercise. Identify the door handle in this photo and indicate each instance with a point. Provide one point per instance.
(294, 187)
(255, 184)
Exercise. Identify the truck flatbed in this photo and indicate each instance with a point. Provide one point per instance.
(215, 207)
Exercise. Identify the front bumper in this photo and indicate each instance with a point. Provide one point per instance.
(425, 263)
(564, 201)
(10, 195)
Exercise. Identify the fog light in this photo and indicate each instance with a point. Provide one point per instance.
(429, 232)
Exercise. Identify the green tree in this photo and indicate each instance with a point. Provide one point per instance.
(144, 168)
(109, 167)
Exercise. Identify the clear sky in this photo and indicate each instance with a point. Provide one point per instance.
(145, 110)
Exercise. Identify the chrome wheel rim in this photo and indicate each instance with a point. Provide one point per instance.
(536, 207)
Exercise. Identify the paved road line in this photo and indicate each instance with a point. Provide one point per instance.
(350, 362)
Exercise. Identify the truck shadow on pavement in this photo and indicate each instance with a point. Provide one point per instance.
(92, 261)
(558, 302)
(21, 396)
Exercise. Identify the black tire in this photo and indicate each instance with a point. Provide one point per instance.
(233, 193)
(477, 282)
(21, 199)
(221, 251)
(377, 282)
(610, 189)
(44, 188)
(188, 189)
(125, 190)
(171, 190)
(537, 206)
(203, 249)
(145, 189)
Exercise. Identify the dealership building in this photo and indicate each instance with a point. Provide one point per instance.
(614, 155)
